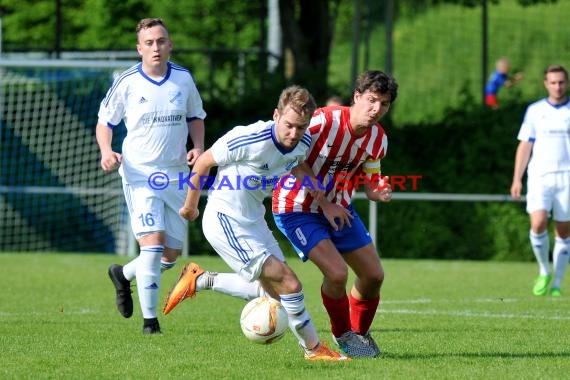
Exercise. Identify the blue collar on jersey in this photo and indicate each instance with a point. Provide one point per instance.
(168, 70)
(557, 105)
(279, 147)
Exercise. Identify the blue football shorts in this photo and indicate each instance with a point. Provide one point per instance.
(305, 230)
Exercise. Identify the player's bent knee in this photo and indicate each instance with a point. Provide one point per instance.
(291, 284)
(373, 279)
(377, 277)
(337, 276)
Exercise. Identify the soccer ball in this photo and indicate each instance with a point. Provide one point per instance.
(264, 320)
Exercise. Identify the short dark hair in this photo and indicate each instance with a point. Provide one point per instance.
(299, 99)
(555, 69)
(146, 23)
(378, 82)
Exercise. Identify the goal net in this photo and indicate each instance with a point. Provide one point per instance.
(53, 194)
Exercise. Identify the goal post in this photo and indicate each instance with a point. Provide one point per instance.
(53, 194)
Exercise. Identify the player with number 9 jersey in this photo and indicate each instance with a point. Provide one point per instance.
(347, 144)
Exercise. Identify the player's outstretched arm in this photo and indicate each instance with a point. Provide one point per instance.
(302, 172)
(517, 77)
(379, 191)
(200, 171)
(196, 132)
(336, 215)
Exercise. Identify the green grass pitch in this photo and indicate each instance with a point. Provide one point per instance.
(437, 320)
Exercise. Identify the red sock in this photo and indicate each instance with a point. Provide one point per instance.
(362, 313)
(339, 314)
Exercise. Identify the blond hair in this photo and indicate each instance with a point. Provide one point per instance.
(298, 99)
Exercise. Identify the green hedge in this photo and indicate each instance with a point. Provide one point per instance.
(471, 151)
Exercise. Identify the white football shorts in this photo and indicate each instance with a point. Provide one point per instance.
(153, 210)
(550, 192)
(243, 246)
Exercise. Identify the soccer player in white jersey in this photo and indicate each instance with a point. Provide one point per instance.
(545, 148)
(346, 148)
(160, 106)
(251, 160)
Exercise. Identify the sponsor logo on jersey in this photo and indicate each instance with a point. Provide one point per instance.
(154, 118)
(175, 97)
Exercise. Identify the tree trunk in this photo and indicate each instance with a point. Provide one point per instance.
(307, 36)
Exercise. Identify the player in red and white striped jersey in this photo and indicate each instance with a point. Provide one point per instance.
(336, 155)
(347, 144)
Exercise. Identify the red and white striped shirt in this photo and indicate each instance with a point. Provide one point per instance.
(336, 156)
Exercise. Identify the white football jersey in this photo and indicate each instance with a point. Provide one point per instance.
(335, 153)
(548, 128)
(250, 163)
(155, 115)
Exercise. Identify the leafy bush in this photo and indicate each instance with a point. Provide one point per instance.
(471, 151)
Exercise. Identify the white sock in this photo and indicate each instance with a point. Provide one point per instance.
(541, 246)
(231, 284)
(130, 269)
(148, 279)
(560, 254)
(299, 319)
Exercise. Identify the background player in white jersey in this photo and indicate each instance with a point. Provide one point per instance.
(250, 160)
(545, 147)
(346, 148)
(160, 105)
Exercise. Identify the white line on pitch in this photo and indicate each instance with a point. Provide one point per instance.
(456, 301)
(473, 314)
